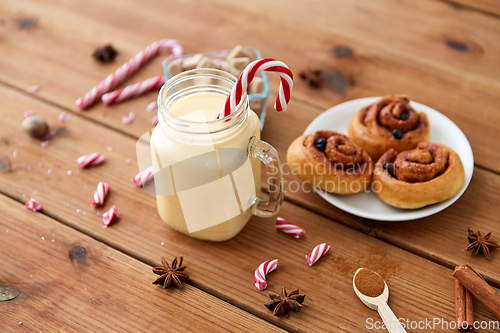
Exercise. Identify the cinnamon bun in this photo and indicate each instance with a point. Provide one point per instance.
(390, 123)
(429, 174)
(330, 161)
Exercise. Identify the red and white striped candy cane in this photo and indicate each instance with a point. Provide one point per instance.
(86, 161)
(100, 194)
(127, 69)
(259, 278)
(142, 177)
(246, 77)
(287, 228)
(318, 251)
(110, 216)
(33, 205)
(133, 90)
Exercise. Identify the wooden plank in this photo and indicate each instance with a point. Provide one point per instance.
(488, 6)
(85, 137)
(384, 60)
(72, 283)
(419, 288)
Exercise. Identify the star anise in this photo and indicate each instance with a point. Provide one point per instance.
(312, 76)
(481, 243)
(105, 53)
(170, 275)
(281, 304)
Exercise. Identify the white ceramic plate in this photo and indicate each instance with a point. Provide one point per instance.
(367, 204)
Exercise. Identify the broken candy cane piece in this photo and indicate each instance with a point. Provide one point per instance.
(128, 119)
(287, 228)
(33, 205)
(318, 251)
(100, 194)
(63, 117)
(265, 268)
(87, 161)
(110, 216)
(142, 177)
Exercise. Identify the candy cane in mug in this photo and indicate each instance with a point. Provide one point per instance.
(288, 228)
(259, 278)
(124, 71)
(246, 77)
(318, 251)
(100, 194)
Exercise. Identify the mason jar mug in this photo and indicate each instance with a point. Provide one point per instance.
(207, 172)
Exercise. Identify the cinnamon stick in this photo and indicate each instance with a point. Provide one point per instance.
(470, 310)
(464, 310)
(474, 283)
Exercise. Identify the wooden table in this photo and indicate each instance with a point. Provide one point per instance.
(73, 275)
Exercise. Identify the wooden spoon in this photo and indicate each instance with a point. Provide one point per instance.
(379, 304)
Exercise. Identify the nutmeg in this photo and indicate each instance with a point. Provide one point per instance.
(36, 126)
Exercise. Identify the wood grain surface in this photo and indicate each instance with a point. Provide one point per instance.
(441, 237)
(432, 55)
(71, 283)
(488, 6)
(441, 53)
(222, 269)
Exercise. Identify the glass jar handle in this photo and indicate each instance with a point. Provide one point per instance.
(270, 157)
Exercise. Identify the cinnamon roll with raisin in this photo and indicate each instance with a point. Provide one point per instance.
(390, 123)
(429, 174)
(330, 161)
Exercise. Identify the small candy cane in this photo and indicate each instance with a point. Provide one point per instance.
(142, 177)
(127, 69)
(259, 278)
(100, 194)
(110, 216)
(63, 117)
(287, 228)
(33, 205)
(133, 90)
(318, 251)
(86, 161)
(246, 77)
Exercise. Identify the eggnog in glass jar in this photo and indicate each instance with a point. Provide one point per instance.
(207, 170)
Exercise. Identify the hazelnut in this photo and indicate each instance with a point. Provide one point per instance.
(36, 126)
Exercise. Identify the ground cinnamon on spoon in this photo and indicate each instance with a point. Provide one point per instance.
(369, 283)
